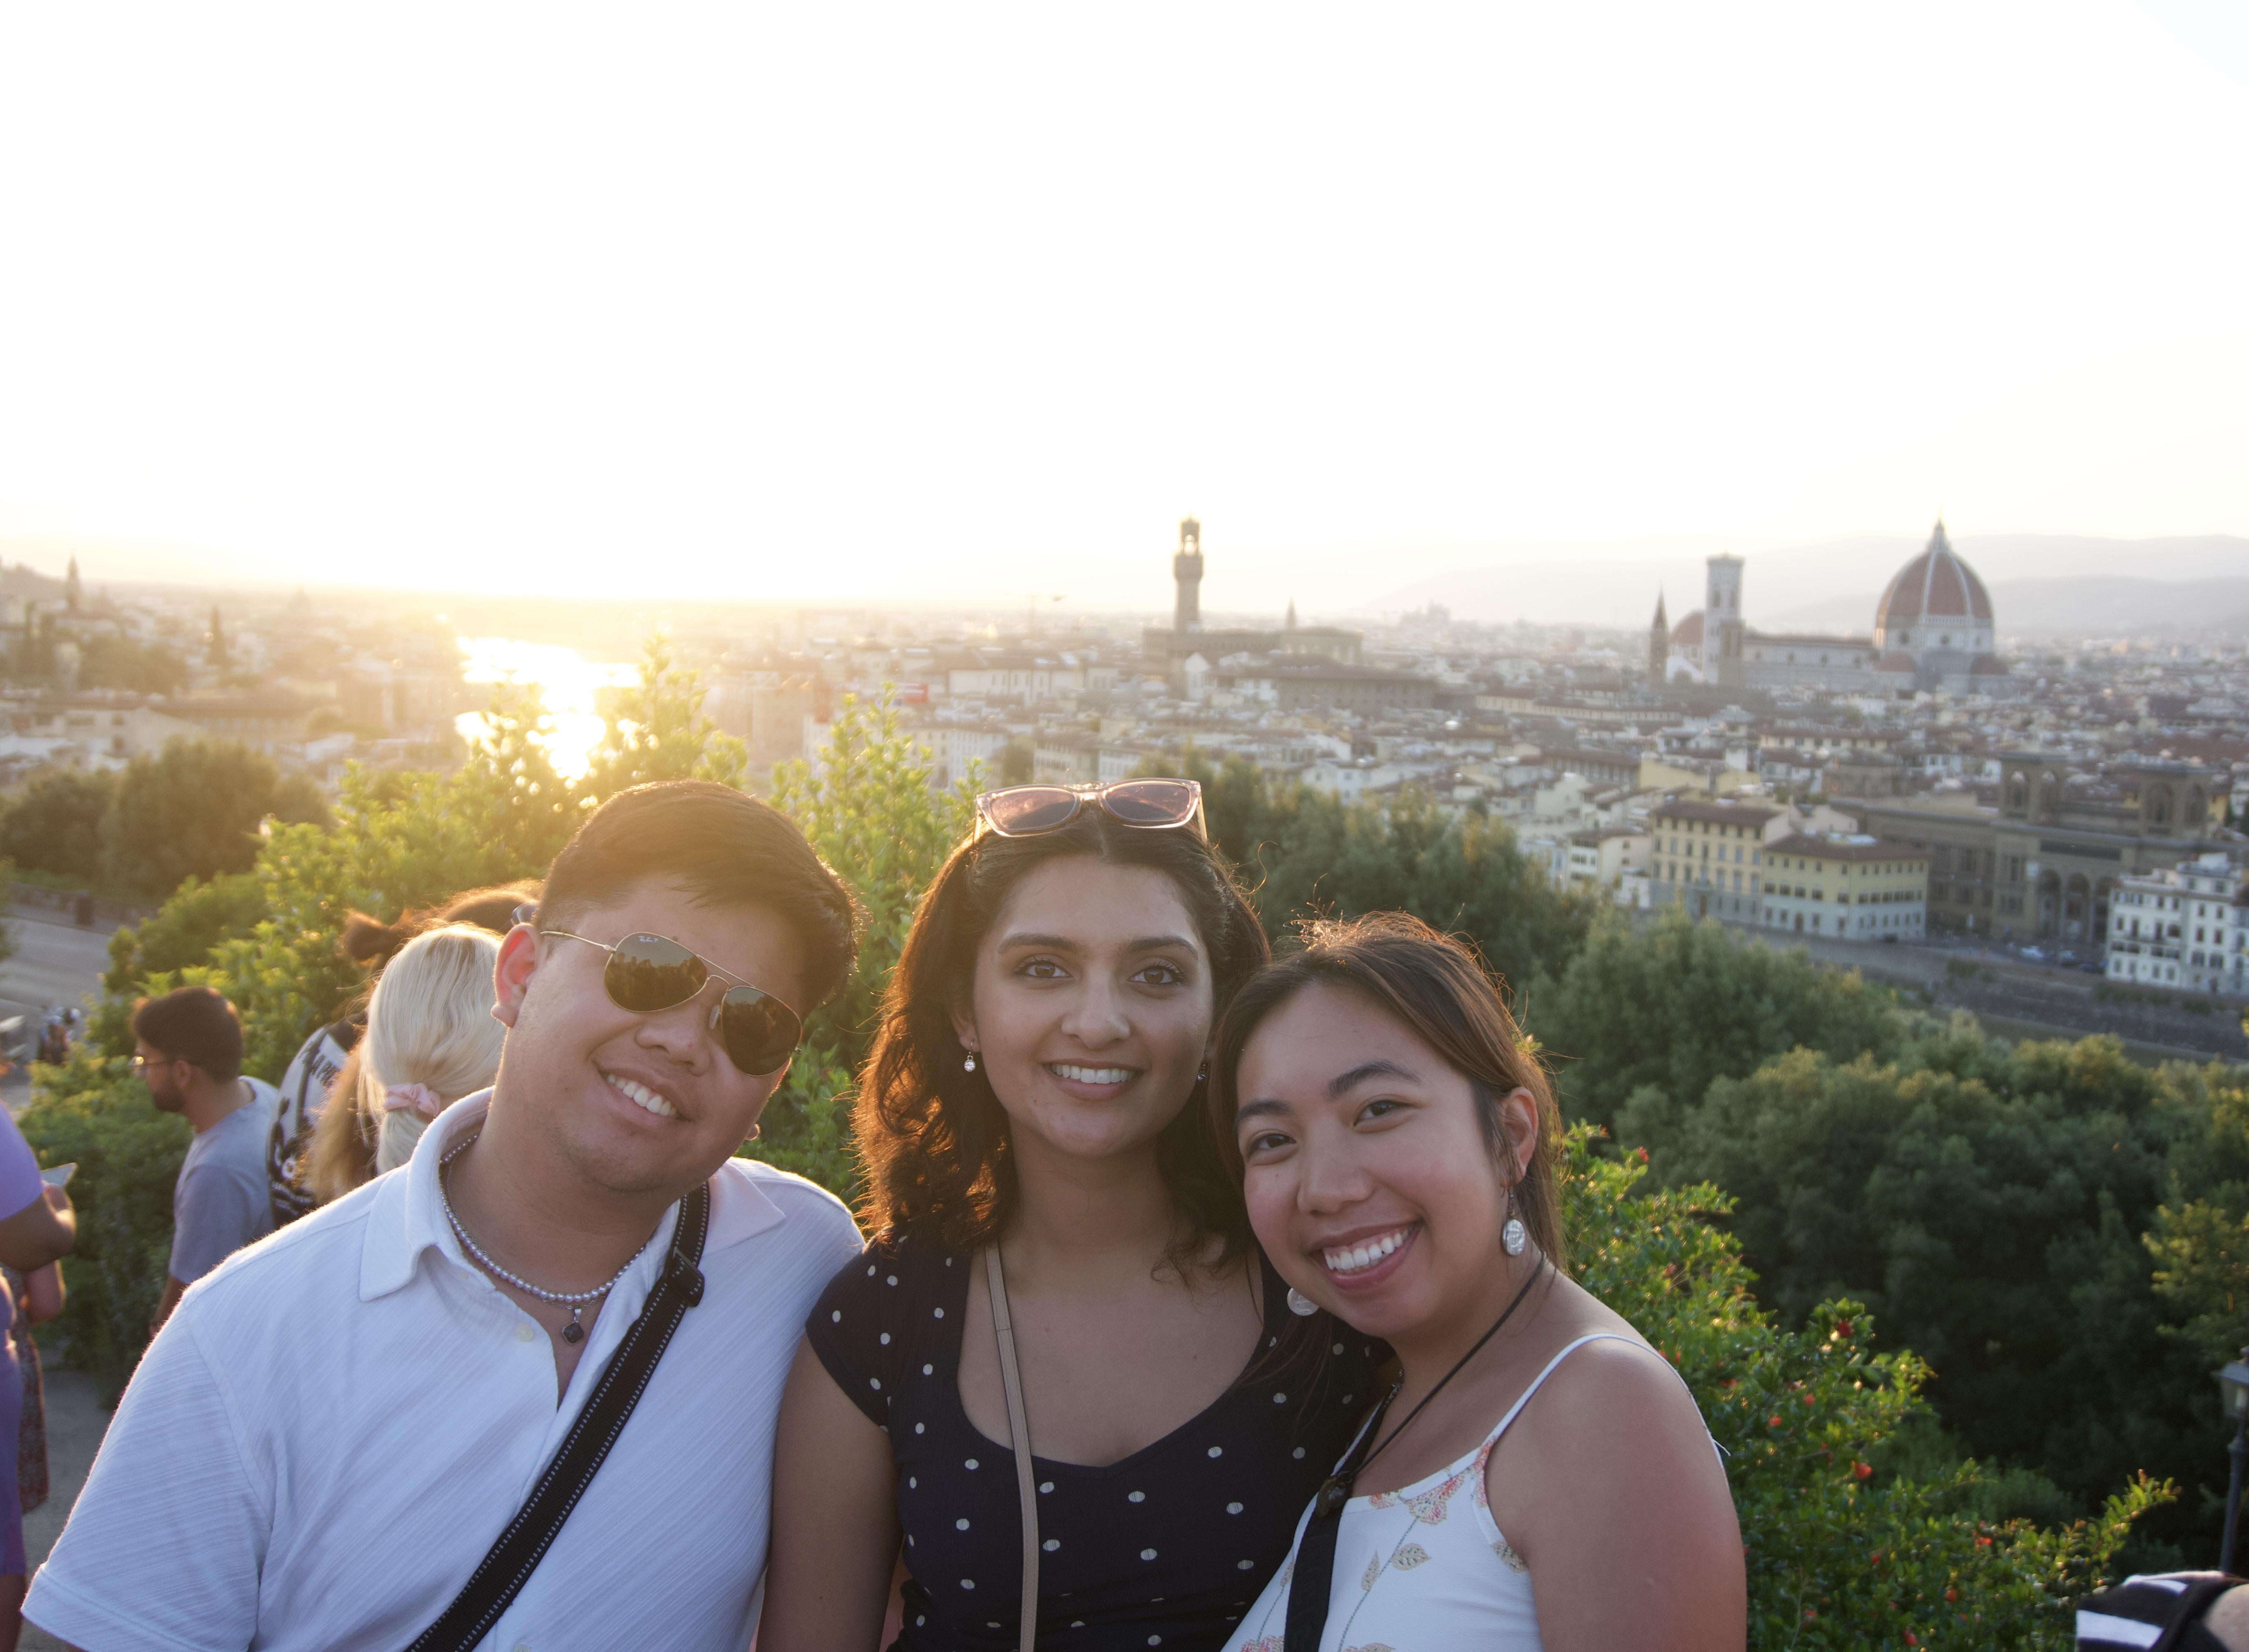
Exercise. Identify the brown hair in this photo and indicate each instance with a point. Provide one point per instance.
(933, 1139)
(194, 1024)
(369, 940)
(1436, 987)
(728, 849)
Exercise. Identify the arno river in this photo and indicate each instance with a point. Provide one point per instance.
(568, 681)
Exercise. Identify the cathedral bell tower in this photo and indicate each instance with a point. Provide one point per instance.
(1659, 645)
(1187, 571)
(1722, 630)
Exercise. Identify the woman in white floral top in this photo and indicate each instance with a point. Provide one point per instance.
(1541, 1477)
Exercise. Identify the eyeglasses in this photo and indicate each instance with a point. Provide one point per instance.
(647, 974)
(1150, 804)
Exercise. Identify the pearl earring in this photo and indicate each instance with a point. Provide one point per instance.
(1300, 1304)
(969, 1065)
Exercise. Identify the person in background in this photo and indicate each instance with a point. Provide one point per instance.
(37, 1231)
(431, 1038)
(313, 1073)
(1538, 1476)
(187, 1047)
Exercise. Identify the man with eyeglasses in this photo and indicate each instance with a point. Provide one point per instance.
(187, 1047)
(396, 1422)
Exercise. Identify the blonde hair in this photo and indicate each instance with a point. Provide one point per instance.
(341, 1156)
(430, 1023)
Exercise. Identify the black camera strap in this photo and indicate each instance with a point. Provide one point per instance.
(499, 1577)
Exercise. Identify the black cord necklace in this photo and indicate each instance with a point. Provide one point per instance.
(1335, 1491)
(1314, 1572)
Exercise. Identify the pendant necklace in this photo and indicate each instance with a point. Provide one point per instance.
(574, 1332)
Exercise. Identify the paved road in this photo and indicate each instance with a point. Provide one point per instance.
(74, 1430)
(54, 964)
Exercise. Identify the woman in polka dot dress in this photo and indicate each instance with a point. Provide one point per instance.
(1037, 1084)
(1541, 1481)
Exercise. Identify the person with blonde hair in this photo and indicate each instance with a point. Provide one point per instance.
(430, 1040)
(329, 1062)
(430, 1035)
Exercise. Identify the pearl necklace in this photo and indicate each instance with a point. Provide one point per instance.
(574, 1301)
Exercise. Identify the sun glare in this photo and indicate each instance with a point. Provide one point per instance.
(570, 686)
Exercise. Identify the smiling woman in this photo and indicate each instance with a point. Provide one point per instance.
(1035, 1095)
(1397, 1139)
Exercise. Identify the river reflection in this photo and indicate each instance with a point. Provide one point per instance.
(566, 681)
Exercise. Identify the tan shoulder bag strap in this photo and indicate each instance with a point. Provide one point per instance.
(1018, 1441)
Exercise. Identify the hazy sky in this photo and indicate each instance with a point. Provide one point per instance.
(836, 301)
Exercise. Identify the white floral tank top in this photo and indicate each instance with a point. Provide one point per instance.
(1419, 1569)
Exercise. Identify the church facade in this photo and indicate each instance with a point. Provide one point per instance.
(1933, 632)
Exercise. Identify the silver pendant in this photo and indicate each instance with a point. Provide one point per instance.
(1514, 1236)
(1300, 1304)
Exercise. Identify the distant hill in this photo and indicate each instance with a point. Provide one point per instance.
(19, 579)
(1833, 584)
(2091, 605)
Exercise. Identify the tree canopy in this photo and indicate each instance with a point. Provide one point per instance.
(1674, 1004)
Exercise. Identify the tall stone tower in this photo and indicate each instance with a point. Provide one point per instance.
(1186, 571)
(1659, 645)
(1721, 623)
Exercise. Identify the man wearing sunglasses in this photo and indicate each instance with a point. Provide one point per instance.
(338, 1424)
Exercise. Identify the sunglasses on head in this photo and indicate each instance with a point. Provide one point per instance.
(1150, 804)
(647, 974)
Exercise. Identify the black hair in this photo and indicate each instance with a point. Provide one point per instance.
(194, 1024)
(728, 849)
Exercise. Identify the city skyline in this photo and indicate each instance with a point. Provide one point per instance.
(984, 306)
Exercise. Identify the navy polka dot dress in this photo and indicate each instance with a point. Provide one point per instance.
(1166, 1548)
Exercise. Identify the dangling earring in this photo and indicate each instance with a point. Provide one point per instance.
(1514, 1238)
(969, 1065)
(1300, 1304)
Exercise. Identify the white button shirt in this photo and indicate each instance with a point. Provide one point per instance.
(337, 1422)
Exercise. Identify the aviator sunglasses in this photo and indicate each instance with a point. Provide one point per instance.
(647, 974)
(1150, 804)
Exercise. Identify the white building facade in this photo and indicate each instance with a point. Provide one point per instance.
(2186, 926)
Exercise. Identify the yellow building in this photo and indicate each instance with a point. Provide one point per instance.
(1709, 854)
(1846, 887)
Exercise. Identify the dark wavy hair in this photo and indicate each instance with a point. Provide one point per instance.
(369, 940)
(1435, 985)
(933, 1140)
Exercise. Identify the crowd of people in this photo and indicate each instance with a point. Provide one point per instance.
(1204, 1300)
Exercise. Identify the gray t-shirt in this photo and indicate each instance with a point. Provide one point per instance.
(221, 1202)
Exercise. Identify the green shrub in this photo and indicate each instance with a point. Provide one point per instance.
(181, 935)
(1840, 1553)
(1989, 1201)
